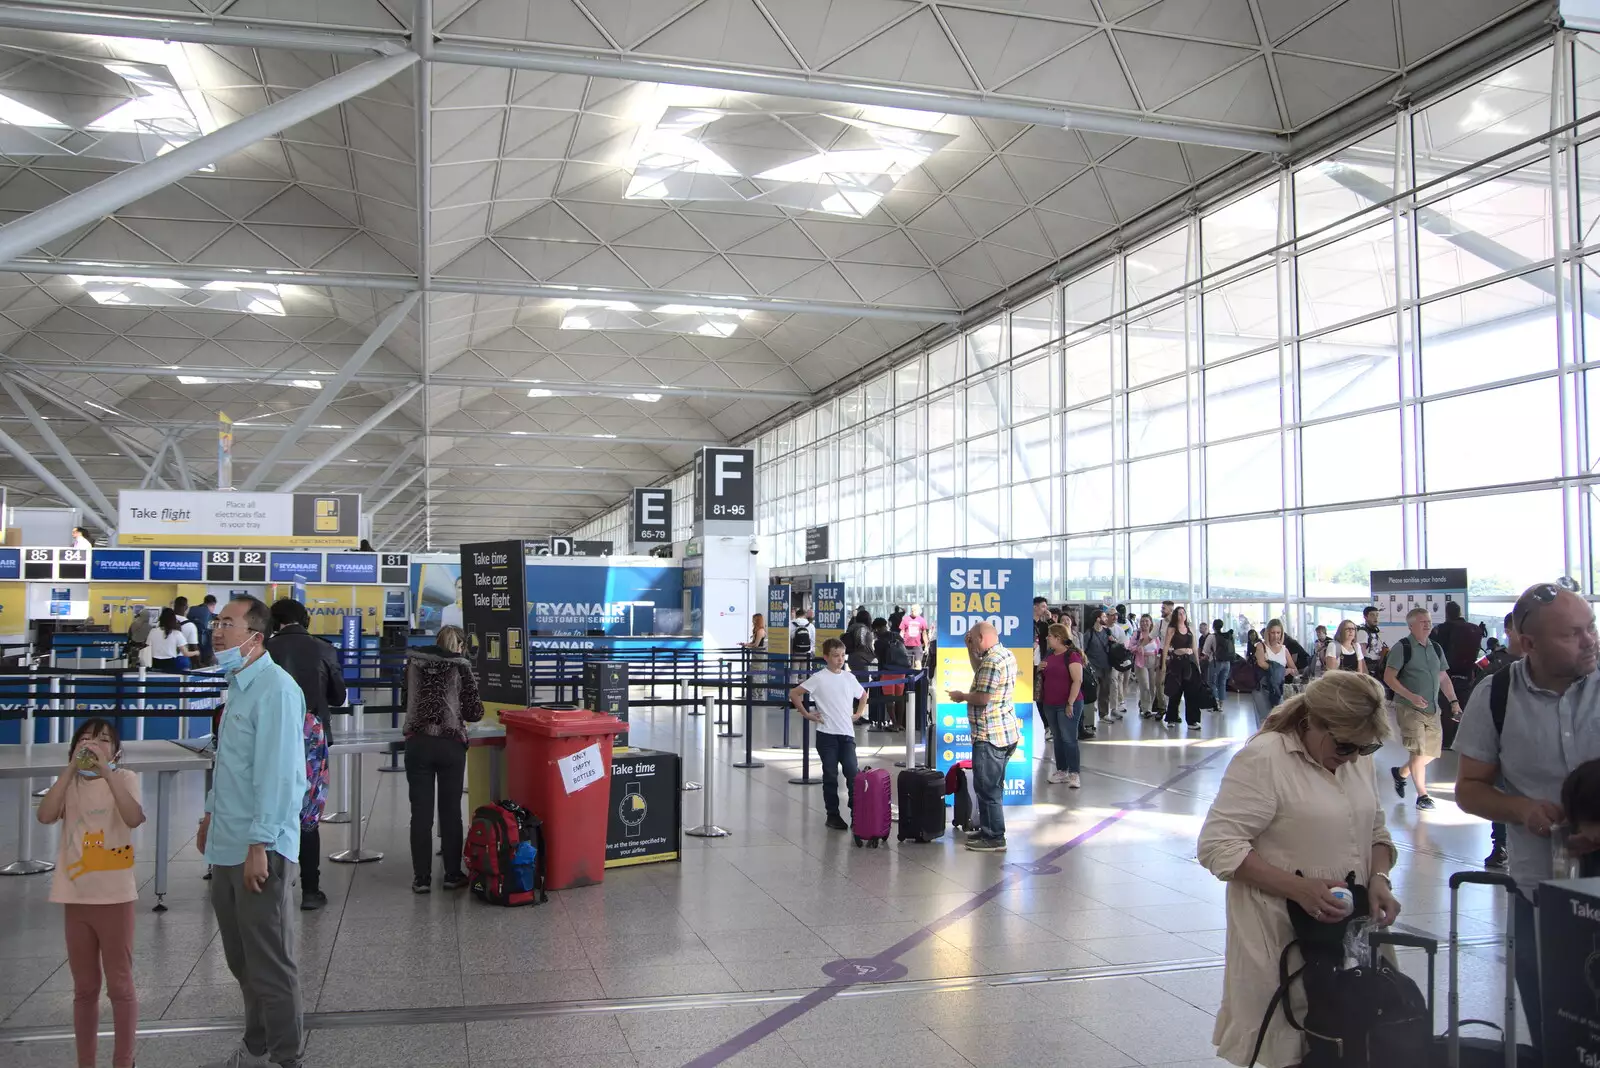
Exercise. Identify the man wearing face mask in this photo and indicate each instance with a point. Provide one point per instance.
(251, 835)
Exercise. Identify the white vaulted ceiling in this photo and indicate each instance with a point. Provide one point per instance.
(730, 246)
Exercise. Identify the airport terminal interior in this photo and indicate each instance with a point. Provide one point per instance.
(1265, 308)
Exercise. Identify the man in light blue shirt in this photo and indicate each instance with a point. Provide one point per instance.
(251, 835)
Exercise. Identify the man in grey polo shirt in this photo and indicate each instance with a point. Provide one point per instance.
(1552, 724)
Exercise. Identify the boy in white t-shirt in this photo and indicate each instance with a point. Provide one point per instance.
(840, 703)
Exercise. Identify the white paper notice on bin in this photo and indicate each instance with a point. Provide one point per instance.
(581, 768)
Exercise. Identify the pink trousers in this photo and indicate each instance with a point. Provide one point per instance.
(100, 939)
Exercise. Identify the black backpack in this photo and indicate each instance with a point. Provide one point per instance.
(1369, 1016)
(1223, 649)
(1090, 690)
(800, 644)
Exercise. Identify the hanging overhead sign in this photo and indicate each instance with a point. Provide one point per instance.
(200, 518)
(652, 515)
(224, 451)
(816, 544)
(725, 490)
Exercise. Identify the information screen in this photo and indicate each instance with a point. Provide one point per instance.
(111, 565)
(294, 567)
(171, 565)
(353, 567)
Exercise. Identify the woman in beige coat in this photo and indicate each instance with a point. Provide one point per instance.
(1299, 797)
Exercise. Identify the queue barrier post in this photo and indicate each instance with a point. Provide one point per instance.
(805, 778)
(355, 854)
(26, 864)
(708, 827)
(749, 760)
(342, 787)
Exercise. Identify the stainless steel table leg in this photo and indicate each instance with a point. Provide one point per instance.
(164, 783)
(355, 854)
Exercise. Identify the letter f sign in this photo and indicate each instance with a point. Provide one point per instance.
(726, 466)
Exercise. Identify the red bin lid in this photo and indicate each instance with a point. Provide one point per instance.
(563, 722)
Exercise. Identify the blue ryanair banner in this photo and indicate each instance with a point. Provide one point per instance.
(975, 590)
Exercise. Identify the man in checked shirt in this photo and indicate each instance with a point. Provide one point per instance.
(995, 732)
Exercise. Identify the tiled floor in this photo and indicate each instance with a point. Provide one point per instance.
(1130, 926)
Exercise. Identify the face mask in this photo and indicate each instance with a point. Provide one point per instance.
(230, 660)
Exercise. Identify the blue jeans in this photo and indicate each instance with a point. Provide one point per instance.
(1219, 680)
(1064, 732)
(837, 752)
(1524, 925)
(989, 783)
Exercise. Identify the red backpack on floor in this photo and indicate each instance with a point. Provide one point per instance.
(504, 855)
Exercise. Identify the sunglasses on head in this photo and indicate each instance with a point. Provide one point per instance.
(1542, 594)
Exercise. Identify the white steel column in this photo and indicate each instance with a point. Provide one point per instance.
(43, 474)
(330, 389)
(154, 470)
(104, 197)
(392, 494)
(57, 446)
(180, 464)
(348, 440)
(422, 41)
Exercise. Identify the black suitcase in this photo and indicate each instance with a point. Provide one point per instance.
(1479, 1052)
(922, 815)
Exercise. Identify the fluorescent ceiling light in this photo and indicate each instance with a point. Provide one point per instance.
(701, 309)
(537, 392)
(191, 380)
(305, 383)
(648, 398)
(329, 426)
(602, 435)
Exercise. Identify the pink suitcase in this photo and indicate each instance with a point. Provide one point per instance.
(869, 812)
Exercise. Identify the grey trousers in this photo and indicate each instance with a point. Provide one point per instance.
(258, 939)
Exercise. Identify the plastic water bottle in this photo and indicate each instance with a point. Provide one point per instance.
(1563, 863)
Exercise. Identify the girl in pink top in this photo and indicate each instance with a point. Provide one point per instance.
(97, 804)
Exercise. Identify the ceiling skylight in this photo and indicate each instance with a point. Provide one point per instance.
(804, 159)
(192, 380)
(622, 315)
(255, 298)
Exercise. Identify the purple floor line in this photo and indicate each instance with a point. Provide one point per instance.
(796, 1009)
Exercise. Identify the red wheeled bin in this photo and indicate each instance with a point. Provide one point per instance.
(575, 822)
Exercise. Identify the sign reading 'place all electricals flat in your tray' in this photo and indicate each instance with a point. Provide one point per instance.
(184, 518)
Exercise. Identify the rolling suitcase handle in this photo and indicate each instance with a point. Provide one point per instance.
(1508, 1032)
(1399, 939)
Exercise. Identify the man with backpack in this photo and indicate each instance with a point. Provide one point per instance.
(1219, 652)
(1097, 651)
(1525, 730)
(1415, 671)
(1462, 643)
(1368, 636)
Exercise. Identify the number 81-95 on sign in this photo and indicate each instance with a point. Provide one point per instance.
(728, 509)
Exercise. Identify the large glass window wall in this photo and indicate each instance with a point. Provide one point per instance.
(1377, 359)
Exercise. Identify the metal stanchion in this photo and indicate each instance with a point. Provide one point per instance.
(788, 677)
(54, 725)
(683, 748)
(708, 827)
(342, 814)
(724, 698)
(25, 864)
(913, 718)
(805, 778)
(394, 753)
(138, 722)
(749, 760)
(355, 854)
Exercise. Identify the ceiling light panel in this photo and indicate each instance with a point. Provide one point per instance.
(672, 318)
(252, 298)
(776, 152)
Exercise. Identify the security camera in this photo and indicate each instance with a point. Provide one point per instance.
(755, 547)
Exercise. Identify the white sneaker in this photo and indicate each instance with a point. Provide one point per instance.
(241, 1058)
(1059, 777)
(1072, 780)
(1116, 717)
